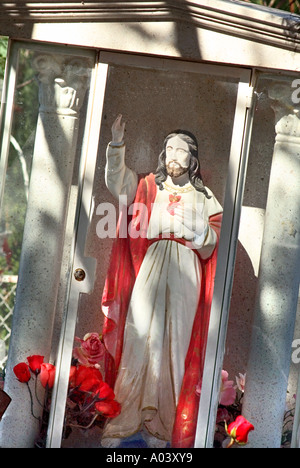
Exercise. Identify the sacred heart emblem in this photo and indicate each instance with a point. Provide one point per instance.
(174, 200)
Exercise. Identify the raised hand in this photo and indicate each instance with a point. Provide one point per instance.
(117, 130)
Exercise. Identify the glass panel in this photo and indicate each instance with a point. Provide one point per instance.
(153, 103)
(261, 366)
(47, 138)
(15, 197)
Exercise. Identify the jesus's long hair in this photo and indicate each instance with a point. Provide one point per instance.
(194, 169)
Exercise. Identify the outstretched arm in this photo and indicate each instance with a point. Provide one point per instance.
(119, 179)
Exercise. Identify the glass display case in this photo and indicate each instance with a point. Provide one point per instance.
(212, 100)
(149, 227)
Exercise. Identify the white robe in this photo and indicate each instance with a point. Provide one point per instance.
(162, 308)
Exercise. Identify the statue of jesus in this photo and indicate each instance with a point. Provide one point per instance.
(158, 292)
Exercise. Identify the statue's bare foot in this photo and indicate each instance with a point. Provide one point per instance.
(111, 442)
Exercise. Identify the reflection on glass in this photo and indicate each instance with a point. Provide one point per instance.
(3, 53)
(246, 294)
(46, 158)
(14, 202)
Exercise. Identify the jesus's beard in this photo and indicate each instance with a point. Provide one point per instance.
(174, 169)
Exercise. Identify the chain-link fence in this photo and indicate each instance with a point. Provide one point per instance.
(8, 285)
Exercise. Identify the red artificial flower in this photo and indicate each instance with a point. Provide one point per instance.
(72, 376)
(238, 431)
(108, 408)
(22, 372)
(47, 375)
(86, 378)
(104, 391)
(35, 362)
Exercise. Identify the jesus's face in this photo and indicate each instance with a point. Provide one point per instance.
(177, 157)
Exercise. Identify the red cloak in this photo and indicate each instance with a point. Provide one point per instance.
(126, 258)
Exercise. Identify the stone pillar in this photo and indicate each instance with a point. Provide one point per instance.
(278, 281)
(62, 87)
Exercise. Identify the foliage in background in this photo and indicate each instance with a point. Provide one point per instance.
(292, 6)
(14, 203)
(3, 49)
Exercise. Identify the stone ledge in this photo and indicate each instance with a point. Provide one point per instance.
(267, 25)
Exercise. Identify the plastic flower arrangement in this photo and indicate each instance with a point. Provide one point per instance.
(231, 426)
(238, 431)
(90, 399)
(227, 390)
(91, 350)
